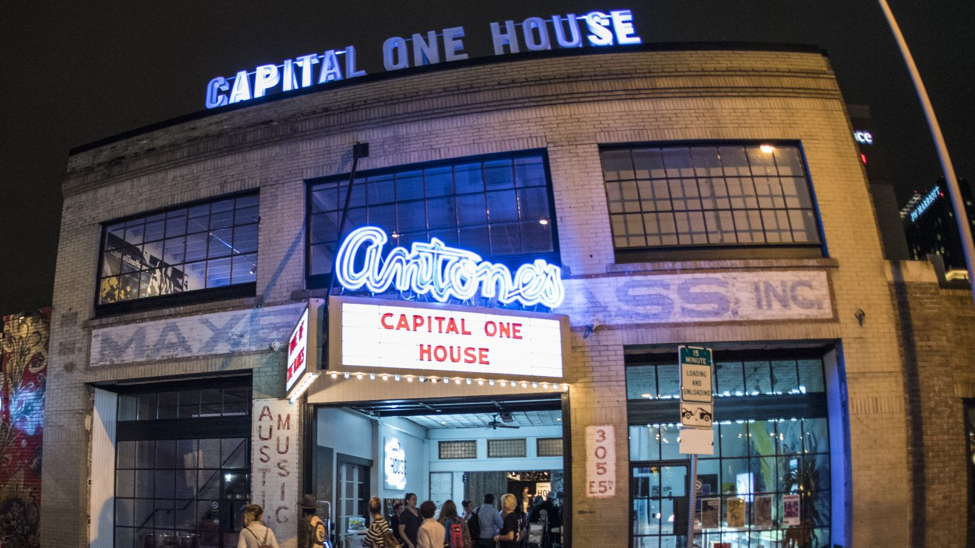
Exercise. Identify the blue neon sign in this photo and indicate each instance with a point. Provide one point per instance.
(442, 272)
(595, 29)
(925, 203)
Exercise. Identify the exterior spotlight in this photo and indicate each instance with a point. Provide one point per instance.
(767, 149)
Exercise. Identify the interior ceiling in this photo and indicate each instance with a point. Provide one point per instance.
(482, 420)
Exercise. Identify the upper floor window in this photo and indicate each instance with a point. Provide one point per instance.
(708, 196)
(499, 207)
(202, 246)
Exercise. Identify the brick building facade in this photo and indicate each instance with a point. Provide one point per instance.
(834, 304)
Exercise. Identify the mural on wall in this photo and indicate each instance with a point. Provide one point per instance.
(23, 367)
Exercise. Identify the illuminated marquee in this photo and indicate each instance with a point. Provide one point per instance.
(303, 352)
(597, 29)
(442, 272)
(925, 203)
(431, 338)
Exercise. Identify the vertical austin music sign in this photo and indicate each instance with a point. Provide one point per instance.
(274, 483)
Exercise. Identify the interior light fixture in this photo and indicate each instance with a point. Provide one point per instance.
(767, 149)
(542, 222)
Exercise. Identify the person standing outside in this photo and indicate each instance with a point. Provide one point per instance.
(431, 533)
(508, 537)
(409, 522)
(311, 528)
(376, 536)
(458, 535)
(394, 521)
(255, 534)
(490, 522)
(468, 506)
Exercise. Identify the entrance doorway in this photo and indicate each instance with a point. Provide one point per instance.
(440, 450)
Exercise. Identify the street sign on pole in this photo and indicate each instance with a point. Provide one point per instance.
(696, 417)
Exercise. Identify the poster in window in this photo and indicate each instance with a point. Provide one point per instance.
(710, 513)
(762, 512)
(736, 512)
(790, 510)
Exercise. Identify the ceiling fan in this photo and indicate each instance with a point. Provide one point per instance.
(500, 421)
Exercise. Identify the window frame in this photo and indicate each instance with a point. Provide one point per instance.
(765, 250)
(441, 447)
(320, 281)
(524, 446)
(209, 294)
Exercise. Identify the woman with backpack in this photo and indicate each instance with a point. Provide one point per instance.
(255, 534)
(379, 535)
(457, 535)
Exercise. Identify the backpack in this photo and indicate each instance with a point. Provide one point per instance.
(262, 543)
(474, 525)
(318, 534)
(455, 533)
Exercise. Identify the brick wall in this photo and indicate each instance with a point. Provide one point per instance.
(934, 323)
(569, 107)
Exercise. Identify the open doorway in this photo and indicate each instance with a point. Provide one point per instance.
(443, 449)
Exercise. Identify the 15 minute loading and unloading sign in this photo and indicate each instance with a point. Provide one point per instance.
(696, 383)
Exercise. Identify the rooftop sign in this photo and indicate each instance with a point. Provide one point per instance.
(442, 272)
(594, 29)
(925, 203)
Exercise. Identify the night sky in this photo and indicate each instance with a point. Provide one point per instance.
(76, 72)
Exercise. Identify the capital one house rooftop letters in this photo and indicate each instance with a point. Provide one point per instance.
(625, 203)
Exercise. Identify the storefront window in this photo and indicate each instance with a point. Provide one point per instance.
(182, 466)
(761, 456)
(498, 207)
(204, 246)
(708, 196)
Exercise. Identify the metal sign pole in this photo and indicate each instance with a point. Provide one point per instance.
(692, 502)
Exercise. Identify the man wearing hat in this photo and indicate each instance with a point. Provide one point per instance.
(311, 528)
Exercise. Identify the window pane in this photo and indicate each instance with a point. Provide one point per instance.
(536, 237)
(245, 239)
(211, 402)
(668, 381)
(196, 276)
(533, 203)
(641, 382)
(617, 165)
(412, 216)
(730, 378)
(502, 206)
(734, 438)
(244, 269)
(220, 242)
(174, 251)
(811, 376)
(758, 378)
(409, 185)
(443, 212)
(473, 209)
(469, 178)
(218, 272)
(196, 247)
(498, 174)
(439, 181)
(167, 405)
(785, 377)
(505, 239)
(529, 172)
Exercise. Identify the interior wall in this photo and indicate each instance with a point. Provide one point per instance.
(413, 439)
(347, 433)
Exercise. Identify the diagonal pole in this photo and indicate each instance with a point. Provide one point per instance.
(961, 216)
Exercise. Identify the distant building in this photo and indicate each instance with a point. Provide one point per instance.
(881, 186)
(929, 222)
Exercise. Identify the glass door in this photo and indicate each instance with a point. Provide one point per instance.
(659, 494)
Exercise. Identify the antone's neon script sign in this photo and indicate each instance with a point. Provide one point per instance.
(443, 272)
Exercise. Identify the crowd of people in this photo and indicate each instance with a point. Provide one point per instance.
(483, 526)
(533, 523)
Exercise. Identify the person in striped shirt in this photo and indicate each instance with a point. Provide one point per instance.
(376, 535)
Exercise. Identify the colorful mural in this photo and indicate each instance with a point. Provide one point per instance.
(23, 368)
